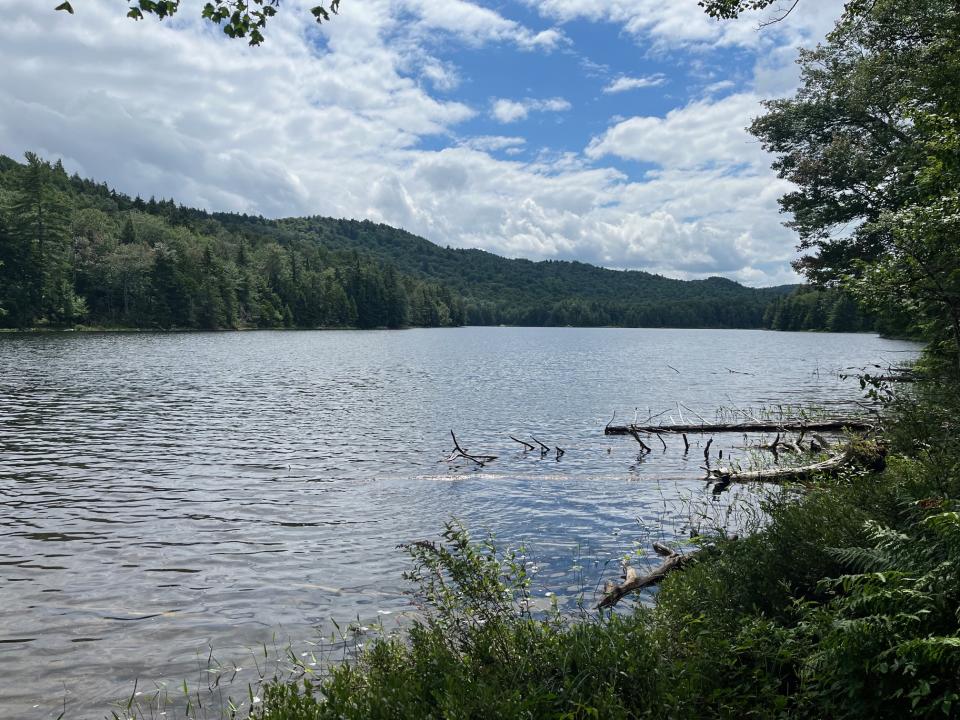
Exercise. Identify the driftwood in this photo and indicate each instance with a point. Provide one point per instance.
(772, 447)
(724, 476)
(459, 452)
(526, 446)
(633, 581)
(888, 374)
(821, 443)
(643, 446)
(832, 424)
(544, 449)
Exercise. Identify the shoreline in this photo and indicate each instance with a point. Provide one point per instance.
(134, 330)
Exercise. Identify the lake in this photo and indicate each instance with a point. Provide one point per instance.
(163, 494)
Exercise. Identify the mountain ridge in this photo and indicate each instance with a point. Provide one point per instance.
(115, 260)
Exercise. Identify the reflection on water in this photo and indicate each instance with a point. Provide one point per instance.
(163, 493)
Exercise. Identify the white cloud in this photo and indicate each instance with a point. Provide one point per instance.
(624, 83)
(682, 23)
(508, 111)
(489, 143)
(477, 25)
(333, 121)
(443, 76)
(701, 134)
(719, 86)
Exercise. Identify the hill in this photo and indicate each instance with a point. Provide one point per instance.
(497, 290)
(76, 251)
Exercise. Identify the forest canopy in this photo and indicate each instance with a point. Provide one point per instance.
(872, 144)
(75, 252)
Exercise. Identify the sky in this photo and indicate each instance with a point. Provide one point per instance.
(607, 131)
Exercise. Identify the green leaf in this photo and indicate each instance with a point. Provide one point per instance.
(65, 6)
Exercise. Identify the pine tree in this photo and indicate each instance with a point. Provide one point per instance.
(38, 221)
(128, 236)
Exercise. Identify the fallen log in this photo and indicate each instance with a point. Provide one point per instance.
(724, 476)
(828, 425)
(633, 581)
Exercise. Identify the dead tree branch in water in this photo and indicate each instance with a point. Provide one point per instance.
(544, 449)
(459, 452)
(526, 446)
(634, 581)
(644, 450)
(852, 455)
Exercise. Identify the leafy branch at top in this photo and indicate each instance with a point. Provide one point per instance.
(239, 18)
(729, 9)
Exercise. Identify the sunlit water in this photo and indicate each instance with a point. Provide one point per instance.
(163, 494)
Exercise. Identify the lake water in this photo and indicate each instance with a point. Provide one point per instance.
(162, 494)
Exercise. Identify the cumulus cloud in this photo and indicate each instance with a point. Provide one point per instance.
(679, 24)
(703, 133)
(508, 111)
(625, 82)
(478, 25)
(491, 143)
(357, 118)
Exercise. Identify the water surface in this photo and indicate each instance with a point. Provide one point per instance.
(165, 493)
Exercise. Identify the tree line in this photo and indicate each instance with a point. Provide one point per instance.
(871, 143)
(73, 251)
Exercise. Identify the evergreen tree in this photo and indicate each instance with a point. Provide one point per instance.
(128, 235)
(38, 224)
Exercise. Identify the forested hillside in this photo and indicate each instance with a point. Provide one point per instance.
(73, 251)
(810, 308)
(498, 290)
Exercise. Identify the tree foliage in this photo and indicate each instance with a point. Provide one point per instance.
(238, 18)
(100, 257)
(498, 290)
(75, 251)
(870, 141)
(729, 9)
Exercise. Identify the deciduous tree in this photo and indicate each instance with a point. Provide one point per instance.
(238, 18)
(871, 141)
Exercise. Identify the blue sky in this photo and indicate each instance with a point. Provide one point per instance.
(609, 131)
